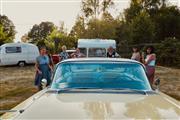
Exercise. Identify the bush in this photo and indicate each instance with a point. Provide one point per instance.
(168, 52)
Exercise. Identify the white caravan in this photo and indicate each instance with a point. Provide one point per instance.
(18, 54)
(95, 47)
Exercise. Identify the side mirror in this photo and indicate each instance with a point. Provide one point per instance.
(43, 83)
(157, 83)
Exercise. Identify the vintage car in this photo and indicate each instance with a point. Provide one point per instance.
(97, 88)
(56, 57)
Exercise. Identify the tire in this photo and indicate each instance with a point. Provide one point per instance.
(21, 63)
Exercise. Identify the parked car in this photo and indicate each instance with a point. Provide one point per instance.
(56, 57)
(18, 54)
(98, 88)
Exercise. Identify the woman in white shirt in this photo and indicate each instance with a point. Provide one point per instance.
(149, 62)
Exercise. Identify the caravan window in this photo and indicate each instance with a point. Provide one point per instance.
(83, 51)
(13, 49)
(97, 52)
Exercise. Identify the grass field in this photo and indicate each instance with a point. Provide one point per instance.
(17, 84)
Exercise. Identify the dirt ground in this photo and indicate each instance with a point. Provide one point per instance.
(170, 81)
(17, 84)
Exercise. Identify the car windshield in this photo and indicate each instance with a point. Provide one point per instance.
(116, 75)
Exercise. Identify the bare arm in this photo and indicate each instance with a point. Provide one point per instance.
(51, 67)
(152, 57)
(37, 67)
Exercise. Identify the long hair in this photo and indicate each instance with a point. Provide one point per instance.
(137, 48)
(152, 49)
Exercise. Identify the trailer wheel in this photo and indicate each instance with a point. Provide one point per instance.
(21, 63)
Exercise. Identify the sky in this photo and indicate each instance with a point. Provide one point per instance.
(26, 13)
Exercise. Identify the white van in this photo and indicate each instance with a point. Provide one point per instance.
(18, 53)
(95, 47)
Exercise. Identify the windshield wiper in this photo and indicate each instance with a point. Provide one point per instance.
(144, 92)
(76, 88)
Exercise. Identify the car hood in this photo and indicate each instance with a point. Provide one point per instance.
(101, 106)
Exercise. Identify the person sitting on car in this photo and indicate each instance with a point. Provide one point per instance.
(77, 54)
(111, 53)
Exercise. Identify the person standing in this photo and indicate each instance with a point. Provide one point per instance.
(136, 54)
(43, 68)
(64, 55)
(149, 62)
(111, 53)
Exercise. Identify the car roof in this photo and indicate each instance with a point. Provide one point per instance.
(100, 60)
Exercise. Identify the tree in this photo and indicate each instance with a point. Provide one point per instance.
(101, 28)
(96, 21)
(25, 38)
(7, 30)
(134, 9)
(94, 8)
(167, 23)
(39, 33)
(123, 38)
(137, 6)
(153, 4)
(90, 8)
(62, 29)
(58, 38)
(78, 30)
(106, 4)
(142, 29)
(168, 52)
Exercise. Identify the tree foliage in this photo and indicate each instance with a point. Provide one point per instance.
(151, 22)
(57, 39)
(142, 29)
(167, 23)
(169, 52)
(104, 27)
(39, 33)
(78, 30)
(7, 30)
(49, 35)
(95, 8)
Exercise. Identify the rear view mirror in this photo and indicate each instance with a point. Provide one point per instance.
(157, 83)
(43, 83)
